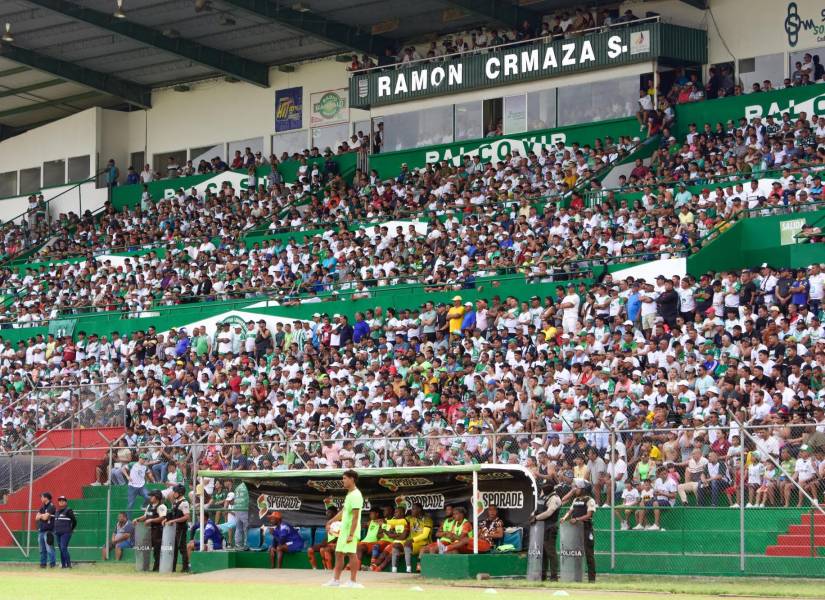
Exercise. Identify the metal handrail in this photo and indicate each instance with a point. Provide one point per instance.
(37, 442)
(47, 204)
(748, 213)
(738, 177)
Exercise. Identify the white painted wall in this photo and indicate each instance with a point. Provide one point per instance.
(746, 28)
(76, 135)
(215, 111)
(64, 199)
(113, 143)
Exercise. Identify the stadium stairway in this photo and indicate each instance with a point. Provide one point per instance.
(802, 539)
(89, 503)
(57, 469)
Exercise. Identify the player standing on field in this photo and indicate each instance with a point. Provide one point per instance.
(350, 532)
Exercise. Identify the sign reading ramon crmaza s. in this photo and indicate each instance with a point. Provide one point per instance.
(510, 64)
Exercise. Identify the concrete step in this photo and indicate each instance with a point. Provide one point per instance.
(789, 550)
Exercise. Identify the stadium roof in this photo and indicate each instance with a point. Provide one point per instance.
(61, 56)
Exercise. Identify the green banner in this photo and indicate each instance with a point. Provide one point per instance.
(388, 164)
(809, 99)
(62, 327)
(129, 195)
(537, 60)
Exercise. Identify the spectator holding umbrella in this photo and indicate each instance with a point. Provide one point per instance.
(64, 525)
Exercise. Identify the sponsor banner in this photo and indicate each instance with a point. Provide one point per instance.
(528, 62)
(388, 164)
(237, 319)
(788, 230)
(304, 498)
(809, 99)
(289, 109)
(803, 22)
(328, 108)
(129, 195)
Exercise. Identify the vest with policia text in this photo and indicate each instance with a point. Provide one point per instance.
(152, 512)
(579, 509)
(553, 519)
(179, 508)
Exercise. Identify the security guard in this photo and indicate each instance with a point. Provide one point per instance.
(549, 556)
(581, 511)
(153, 516)
(178, 516)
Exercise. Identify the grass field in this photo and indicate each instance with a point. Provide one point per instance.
(118, 582)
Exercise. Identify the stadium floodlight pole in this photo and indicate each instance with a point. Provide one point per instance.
(475, 512)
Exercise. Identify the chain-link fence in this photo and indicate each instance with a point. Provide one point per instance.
(719, 499)
(45, 409)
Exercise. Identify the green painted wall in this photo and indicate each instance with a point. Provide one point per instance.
(809, 99)
(750, 242)
(129, 195)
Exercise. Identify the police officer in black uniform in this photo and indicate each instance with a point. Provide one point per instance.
(153, 516)
(581, 511)
(179, 516)
(550, 515)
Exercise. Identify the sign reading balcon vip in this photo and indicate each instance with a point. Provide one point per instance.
(517, 63)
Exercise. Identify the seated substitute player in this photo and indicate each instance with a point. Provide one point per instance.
(398, 530)
(443, 537)
(371, 539)
(211, 533)
(286, 539)
(384, 540)
(326, 548)
(490, 532)
(421, 528)
(462, 532)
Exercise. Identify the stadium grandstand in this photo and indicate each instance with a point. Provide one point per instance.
(575, 242)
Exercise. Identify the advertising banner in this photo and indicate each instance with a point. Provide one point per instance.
(328, 108)
(303, 496)
(809, 99)
(788, 230)
(388, 164)
(289, 108)
(803, 22)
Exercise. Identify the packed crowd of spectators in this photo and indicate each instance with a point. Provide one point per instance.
(542, 382)
(523, 215)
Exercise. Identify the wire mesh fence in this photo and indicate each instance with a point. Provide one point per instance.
(726, 499)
